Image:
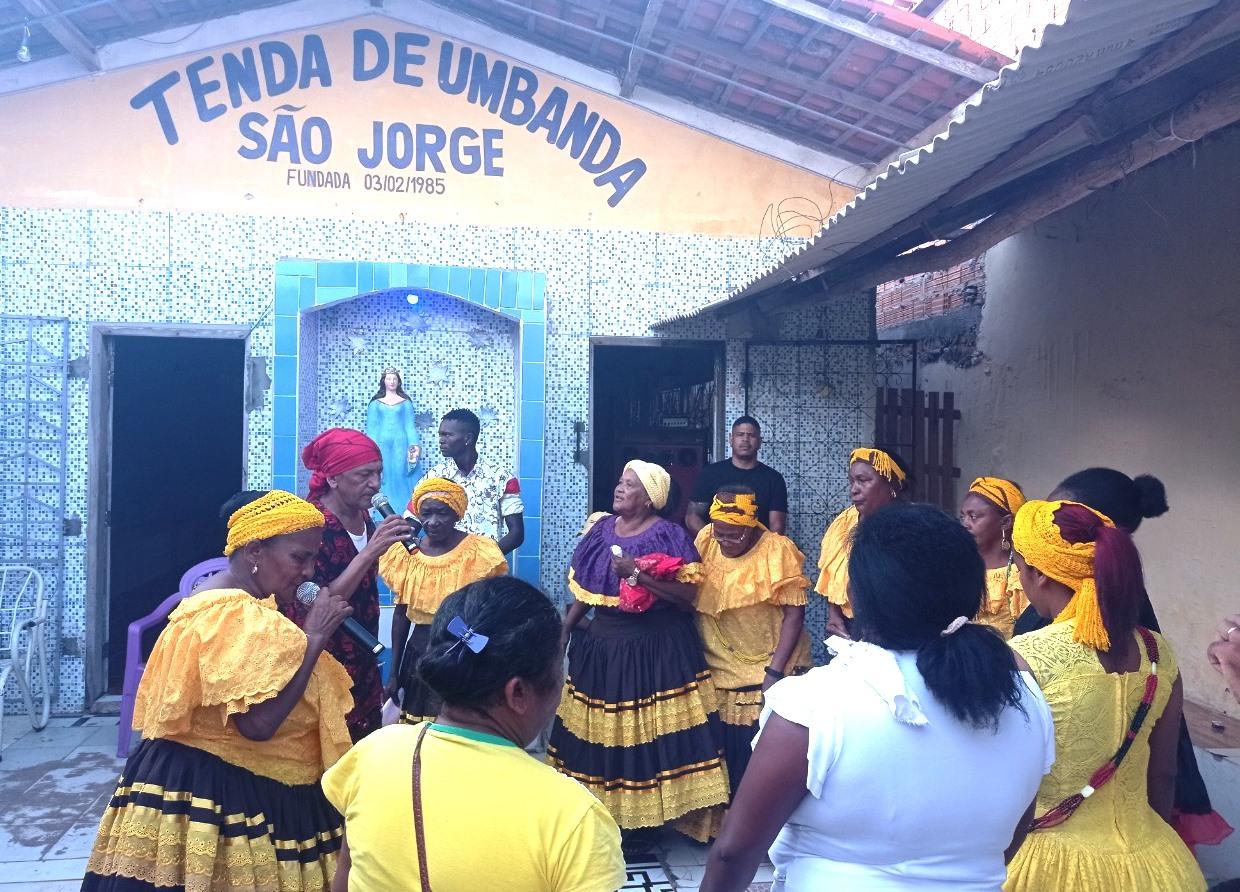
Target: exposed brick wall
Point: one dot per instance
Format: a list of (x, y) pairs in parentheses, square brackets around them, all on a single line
[(932, 294)]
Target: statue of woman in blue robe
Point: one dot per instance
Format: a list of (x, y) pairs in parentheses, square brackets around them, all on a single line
[(389, 422)]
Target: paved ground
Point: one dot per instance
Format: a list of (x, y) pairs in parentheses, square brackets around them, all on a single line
[(54, 784)]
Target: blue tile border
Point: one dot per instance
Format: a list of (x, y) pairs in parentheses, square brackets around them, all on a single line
[(302, 285)]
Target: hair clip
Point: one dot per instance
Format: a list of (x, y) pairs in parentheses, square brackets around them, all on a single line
[(471, 639)]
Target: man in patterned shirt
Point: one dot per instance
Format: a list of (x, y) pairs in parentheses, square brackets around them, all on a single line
[(495, 506)]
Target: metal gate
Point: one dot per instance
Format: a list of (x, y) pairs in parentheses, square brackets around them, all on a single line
[(815, 400), (34, 412)]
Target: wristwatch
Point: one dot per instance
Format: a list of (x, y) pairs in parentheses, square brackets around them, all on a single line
[(632, 580)]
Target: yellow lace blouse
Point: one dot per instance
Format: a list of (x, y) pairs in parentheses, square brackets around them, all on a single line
[(1005, 600), (740, 605), (1115, 840), (421, 582), (833, 560), (224, 651)]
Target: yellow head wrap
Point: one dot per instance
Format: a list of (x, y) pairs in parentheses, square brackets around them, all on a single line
[(740, 510), (883, 463), (1005, 494), (451, 494), (278, 513), (657, 482), (1036, 536)]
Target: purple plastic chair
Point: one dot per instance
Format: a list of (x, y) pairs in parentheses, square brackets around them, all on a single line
[(134, 664)]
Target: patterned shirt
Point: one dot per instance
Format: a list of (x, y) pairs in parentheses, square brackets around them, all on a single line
[(335, 554), (494, 494)]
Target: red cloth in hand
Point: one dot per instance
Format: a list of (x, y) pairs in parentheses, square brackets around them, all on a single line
[(638, 598)]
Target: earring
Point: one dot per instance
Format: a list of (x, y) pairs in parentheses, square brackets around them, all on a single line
[(1004, 543), (894, 494), (254, 572)]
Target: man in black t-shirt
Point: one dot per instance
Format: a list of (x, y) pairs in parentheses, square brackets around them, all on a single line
[(742, 468)]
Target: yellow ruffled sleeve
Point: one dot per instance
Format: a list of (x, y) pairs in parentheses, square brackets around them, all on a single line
[(222, 650), (691, 573), (770, 572), (833, 560), (396, 566)]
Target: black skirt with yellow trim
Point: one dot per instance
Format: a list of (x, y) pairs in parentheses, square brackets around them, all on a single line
[(418, 703), (185, 819), (638, 723)]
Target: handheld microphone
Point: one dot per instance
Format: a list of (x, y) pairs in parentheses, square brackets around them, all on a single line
[(308, 591), (384, 507)]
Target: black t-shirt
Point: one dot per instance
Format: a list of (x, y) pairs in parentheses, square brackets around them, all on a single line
[(766, 482)]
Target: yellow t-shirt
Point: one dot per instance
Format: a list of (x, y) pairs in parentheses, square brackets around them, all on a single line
[(494, 817)]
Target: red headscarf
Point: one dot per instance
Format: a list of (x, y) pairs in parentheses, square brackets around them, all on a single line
[(335, 451)]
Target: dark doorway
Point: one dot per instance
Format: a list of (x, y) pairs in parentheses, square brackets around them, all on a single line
[(658, 403), (174, 454)]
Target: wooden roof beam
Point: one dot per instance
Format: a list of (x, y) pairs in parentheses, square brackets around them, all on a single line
[(880, 37), (650, 18), (63, 31)]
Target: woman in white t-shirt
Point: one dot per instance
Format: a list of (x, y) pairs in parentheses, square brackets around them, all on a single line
[(912, 761)]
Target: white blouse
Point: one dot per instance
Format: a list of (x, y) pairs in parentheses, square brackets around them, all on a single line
[(901, 794)]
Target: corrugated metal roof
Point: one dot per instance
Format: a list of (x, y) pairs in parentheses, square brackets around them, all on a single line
[(1096, 39)]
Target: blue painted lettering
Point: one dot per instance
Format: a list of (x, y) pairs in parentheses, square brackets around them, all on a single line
[(452, 85), (430, 141), (279, 66), (375, 157), (550, 114), (284, 139), (492, 153), (577, 130), (486, 87), (155, 95), (201, 89), (597, 159), (621, 178), (250, 124), (400, 145), (316, 126), (405, 58), (519, 97), (314, 65), (364, 40), (241, 76)]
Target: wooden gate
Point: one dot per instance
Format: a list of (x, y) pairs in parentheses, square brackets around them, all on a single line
[(920, 425)]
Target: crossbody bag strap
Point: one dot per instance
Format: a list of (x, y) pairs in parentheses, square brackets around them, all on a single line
[(419, 832)]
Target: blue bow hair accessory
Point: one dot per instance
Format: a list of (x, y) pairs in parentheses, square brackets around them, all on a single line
[(471, 639)]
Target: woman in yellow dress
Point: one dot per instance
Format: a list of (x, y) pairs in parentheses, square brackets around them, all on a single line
[(987, 512), (1102, 815), (876, 479), (751, 615), (446, 560), (241, 712)]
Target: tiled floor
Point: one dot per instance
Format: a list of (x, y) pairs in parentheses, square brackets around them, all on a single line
[(54, 783)]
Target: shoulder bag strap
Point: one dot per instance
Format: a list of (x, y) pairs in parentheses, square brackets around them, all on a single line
[(419, 832)]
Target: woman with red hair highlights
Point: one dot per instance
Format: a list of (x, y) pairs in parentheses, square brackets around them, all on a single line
[(1102, 820)]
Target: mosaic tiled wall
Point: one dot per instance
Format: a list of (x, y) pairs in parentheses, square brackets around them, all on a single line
[(195, 269)]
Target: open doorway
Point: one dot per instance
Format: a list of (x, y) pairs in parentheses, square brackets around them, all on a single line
[(168, 437), (657, 401)]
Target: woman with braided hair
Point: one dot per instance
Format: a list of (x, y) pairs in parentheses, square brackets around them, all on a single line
[(1103, 814)]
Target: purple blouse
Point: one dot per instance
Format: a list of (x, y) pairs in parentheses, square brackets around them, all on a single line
[(591, 578)]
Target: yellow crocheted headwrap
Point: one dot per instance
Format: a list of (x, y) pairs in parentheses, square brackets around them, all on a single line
[(1005, 494), (657, 482), (1037, 538), (278, 513), (740, 509), (883, 463), (451, 494)]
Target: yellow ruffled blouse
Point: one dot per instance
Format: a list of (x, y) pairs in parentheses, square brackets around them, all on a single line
[(224, 651), (740, 605), (1005, 600), (833, 560), (420, 581)]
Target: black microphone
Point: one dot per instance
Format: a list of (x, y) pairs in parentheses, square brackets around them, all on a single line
[(384, 507), (308, 591)]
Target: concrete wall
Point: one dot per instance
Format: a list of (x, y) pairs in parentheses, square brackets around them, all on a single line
[(1111, 336)]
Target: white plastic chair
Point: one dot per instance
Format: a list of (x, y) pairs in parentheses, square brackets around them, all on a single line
[(23, 618)]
